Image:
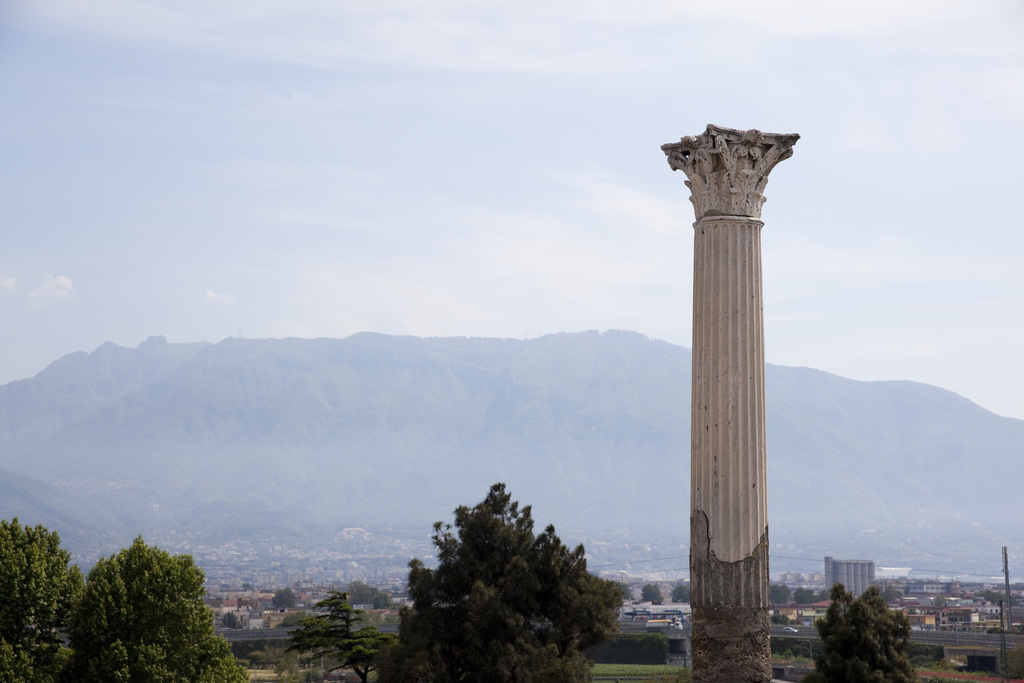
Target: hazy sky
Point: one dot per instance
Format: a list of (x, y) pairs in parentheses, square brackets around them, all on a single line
[(267, 169)]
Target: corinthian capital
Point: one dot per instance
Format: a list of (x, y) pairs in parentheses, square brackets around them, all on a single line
[(728, 169)]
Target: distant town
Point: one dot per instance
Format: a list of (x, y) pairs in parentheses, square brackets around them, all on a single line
[(250, 591)]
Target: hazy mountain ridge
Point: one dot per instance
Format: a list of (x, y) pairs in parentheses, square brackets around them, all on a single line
[(592, 429)]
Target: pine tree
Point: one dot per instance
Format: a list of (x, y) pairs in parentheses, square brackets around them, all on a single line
[(503, 605), (864, 641)]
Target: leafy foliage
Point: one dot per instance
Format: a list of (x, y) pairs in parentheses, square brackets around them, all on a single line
[(38, 585), (632, 648), (681, 593), (334, 635), (651, 593), (661, 673), (283, 597), (805, 596), (864, 641), (141, 618), (502, 605), (780, 594), (293, 619), (1015, 662), (359, 593), (891, 594), (995, 597)]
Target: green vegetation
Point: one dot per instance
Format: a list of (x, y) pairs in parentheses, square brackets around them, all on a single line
[(38, 586), (361, 594), (141, 617), (632, 648), (864, 641), (502, 605), (805, 596), (780, 594), (284, 597), (1015, 662), (681, 593), (995, 597), (638, 672), (336, 636), (293, 619), (651, 593), (891, 594)]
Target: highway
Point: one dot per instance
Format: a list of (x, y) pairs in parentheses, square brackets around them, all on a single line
[(963, 638)]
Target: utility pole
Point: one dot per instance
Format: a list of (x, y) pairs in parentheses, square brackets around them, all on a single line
[(1006, 579), (1003, 663)]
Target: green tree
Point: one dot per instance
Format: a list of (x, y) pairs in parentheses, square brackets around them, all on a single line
[(995, 597), (651, 593), (360, 593), (891, 594), (632, 648), (780, 594), (293, 619), (502, 605), (681, 592), (230, 620), (805, 596), (864, 641), (336, 635), (141, 618), (1015, 662), (38, 586), (283, 597)]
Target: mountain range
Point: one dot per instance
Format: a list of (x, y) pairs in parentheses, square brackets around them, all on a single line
[(303, 437)]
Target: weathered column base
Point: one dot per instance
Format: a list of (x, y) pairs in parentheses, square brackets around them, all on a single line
[(731, 645), (731, 642)]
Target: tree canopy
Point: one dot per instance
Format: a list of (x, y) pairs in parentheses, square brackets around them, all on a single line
[(681, 592), (335, 635), (780, 594), (359, 593), (805, 596), (864, 641), (283, 597), (141, 618), (503, 604), (651, 593), (38, 586)]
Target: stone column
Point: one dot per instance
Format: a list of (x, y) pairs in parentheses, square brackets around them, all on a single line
[(727, 171)]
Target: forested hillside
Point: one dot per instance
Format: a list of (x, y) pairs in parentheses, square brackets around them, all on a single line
[(307, 436)]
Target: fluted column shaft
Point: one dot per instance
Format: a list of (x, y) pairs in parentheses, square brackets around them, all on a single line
[(728, 501)]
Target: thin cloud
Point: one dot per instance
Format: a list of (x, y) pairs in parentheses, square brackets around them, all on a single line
[(531, 36), (225, 299), (54, 287), (7, 283)]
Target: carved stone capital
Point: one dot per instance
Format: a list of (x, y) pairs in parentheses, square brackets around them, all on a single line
[(728, 169)]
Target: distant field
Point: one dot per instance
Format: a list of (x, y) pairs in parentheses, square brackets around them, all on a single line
[(631, 672)]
